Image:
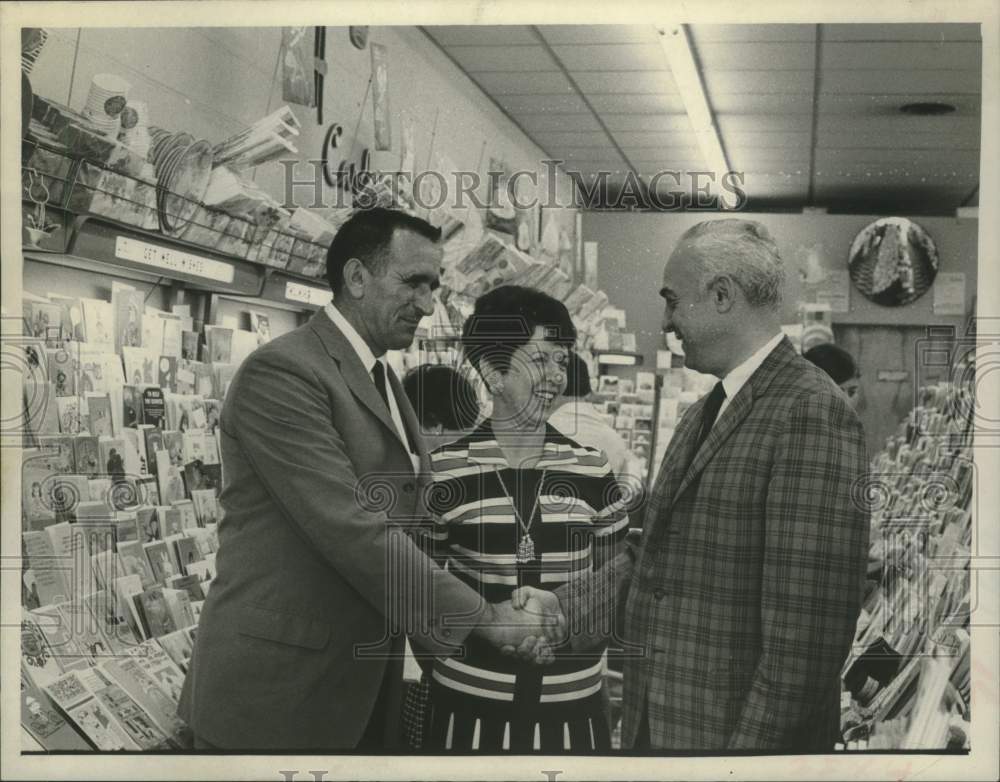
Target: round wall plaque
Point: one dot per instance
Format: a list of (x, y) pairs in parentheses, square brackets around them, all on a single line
[(893, 261)]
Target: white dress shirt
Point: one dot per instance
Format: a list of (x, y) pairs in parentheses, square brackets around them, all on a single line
[(368, 360), (738, 376)]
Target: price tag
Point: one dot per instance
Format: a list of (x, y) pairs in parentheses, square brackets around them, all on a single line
[(307, 294), (172, 260)]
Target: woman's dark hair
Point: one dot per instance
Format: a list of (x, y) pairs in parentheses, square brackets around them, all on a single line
[(577, 377), (366, 236), (441, 396), (834, 360), (506, 318)]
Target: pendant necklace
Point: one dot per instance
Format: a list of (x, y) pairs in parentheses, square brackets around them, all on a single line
[(525, 546)]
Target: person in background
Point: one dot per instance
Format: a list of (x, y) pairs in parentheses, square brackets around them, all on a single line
[(444, 400), (840, 366), (575, 415)]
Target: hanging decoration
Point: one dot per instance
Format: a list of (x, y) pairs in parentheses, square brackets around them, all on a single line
[(500, 213), (380, 97), (359, 36), (298, 83)]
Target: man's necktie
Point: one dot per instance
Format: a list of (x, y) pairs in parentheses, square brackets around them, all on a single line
[(711, 410), (378, 374)]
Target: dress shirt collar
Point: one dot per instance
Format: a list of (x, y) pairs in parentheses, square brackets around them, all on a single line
[(738, 376), (360, 346)]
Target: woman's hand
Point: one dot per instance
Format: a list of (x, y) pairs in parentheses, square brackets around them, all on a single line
[(545, 606)]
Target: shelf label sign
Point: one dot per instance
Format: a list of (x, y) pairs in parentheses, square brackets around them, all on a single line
[(307, 294), (172, 260)]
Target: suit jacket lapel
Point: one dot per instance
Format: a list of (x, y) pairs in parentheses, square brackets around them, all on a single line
[(728, 421), (677, 456), (353, 371), (738, 409), (410, 422)]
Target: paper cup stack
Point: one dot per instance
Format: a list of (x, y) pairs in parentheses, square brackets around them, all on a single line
[(135, 128), (106, 101)]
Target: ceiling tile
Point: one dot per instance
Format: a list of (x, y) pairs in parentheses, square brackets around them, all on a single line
[(667, 185), (595, 152), (647, 122), (765, 140), (536, 122), (921, 55), (901, 123), (899, 174), (541, 103), (636, 82), (729, 33), (849, 139), (756, 159), (757, 56), (590, 168), (598, 33), (657, 154), (502, 58), (753, 102), (641, 139), (901, 32), (900, 81), (761, 82), (481, 35), (670, 169), (612, 57), (544, 83), (882, 104), (965, 158), (637, 104), (583, 138), (749, 123)]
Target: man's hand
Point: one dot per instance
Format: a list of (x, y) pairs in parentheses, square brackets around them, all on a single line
[(545, 605), (527, 626)]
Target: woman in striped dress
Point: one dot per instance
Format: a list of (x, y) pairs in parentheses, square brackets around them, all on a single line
[(516, 503)]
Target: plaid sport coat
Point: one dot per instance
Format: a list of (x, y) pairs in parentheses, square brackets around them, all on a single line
[(745, 593)]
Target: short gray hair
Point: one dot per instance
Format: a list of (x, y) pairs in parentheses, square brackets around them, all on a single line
[(743, 250)]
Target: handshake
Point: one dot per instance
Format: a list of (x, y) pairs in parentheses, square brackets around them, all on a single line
[(527, 626)]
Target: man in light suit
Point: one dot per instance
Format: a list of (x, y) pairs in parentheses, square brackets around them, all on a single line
[(742, 600), (300, 643)]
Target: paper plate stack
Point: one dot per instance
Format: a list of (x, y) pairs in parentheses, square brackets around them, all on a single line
[(135, 128), (106, 101)]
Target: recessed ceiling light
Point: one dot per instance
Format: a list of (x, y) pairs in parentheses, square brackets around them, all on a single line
[(927, 108)]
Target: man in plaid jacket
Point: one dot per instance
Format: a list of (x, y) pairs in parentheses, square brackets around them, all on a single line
[(741, 603)]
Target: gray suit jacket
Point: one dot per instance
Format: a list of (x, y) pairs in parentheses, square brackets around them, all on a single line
[(316, 585)]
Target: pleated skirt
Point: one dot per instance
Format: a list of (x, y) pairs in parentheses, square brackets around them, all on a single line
[(465, 723)]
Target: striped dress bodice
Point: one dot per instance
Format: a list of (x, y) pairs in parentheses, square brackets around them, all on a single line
[(475, 531)]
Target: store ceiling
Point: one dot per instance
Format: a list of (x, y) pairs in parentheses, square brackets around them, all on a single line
[(810, 113)]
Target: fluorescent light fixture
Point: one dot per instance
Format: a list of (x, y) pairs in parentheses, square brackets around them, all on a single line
[(676, 45)]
